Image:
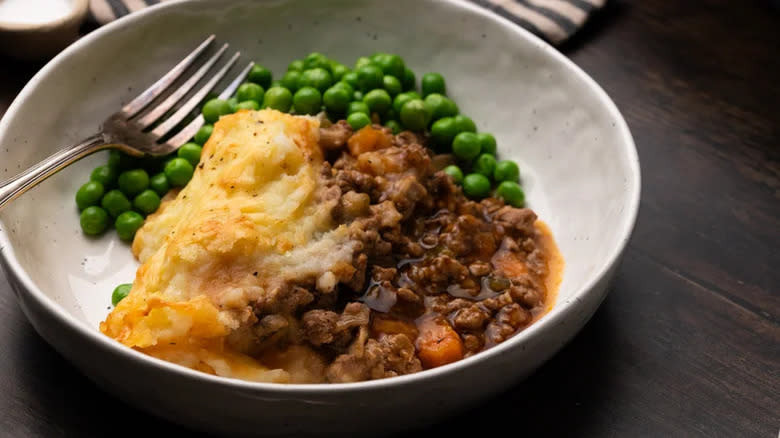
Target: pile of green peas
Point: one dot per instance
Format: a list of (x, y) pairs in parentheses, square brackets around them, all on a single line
[(379, 89), (127, 189)]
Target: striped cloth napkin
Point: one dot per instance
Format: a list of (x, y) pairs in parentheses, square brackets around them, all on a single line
[(553, 20)]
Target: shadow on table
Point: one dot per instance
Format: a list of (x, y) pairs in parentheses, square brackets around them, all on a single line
[(51, 398)]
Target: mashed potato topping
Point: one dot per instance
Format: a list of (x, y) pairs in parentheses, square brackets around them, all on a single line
[(253, 215)]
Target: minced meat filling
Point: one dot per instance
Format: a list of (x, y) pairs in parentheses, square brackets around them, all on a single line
[(435, 276)]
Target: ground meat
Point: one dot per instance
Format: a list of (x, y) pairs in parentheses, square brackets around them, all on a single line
[(388, 356), (423, 252), (398, 355), (379, 273), (408, 295), (322, 327), (285, 300), (480, 269), (319, 326), (472, 317), (519, 220), (335, 136)]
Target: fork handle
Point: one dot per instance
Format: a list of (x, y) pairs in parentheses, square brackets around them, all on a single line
[(12, 188)]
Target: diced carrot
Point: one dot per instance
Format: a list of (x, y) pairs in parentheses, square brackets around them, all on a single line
[(438, 343), (368, 139), (382, 325)]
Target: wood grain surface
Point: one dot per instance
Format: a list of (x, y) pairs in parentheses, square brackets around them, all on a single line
[(688, 341)]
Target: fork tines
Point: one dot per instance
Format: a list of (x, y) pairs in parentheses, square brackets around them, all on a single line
[(178, 96)]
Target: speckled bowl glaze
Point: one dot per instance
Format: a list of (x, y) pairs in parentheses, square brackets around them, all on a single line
[(577, 158)]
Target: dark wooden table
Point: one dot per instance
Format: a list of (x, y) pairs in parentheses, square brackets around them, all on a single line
[(688, 341)]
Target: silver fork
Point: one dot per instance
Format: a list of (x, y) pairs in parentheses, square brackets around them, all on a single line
[(126, 129)]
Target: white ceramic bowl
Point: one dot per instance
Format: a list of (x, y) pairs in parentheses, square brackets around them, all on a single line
[(579, 168)]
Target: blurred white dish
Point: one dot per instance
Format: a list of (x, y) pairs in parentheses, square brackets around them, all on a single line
[(35, 29)]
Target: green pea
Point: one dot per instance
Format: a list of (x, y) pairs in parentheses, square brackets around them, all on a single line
[(260, 76), (159, 183), (485, 164), (378, 101), (89, 194), (250, 91), (133, 182), (115, 203), (369, 77), (358, 107), (120, 292), (476, 185), (291, 80), (316, 60), (357, 95), (512, 193), (433, 83), (487, 143), (233, 104), (296, 65), (191, 152), (358, 120), (465, 124), (336, 99), (250, 105), (408, 81), (441, 106), (278, 98), (391, 65), (506, 170), (93, 220), (346, 87), (147, 202), (465, 146), (114, 159), (307, 100), (415, 115), (339, 70), (376, 56), (455, 172), (127, 224), (105, 175), (400, 100), (394, 126), (214, 109), (179, 172), (203, 134), (351, 78), (318, 78), (392, 85), (361, 62), (443, 131)]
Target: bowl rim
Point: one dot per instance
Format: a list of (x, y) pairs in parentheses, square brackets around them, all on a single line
[(559, 312), (76, 14)]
